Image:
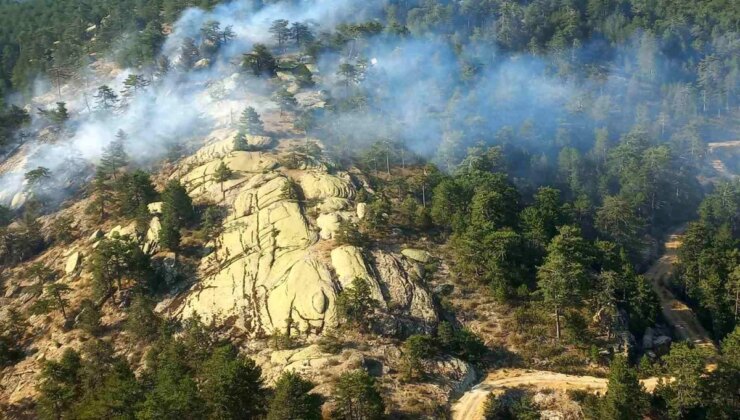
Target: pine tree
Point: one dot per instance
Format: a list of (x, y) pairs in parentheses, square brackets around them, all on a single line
[(292, 399), (177, 202), (106, 98), (169, 233), (133, 84), (250, 122), (114, 156), (625, 397), (189, 55), (285, 100), (232, 385), (279, 29), (223, 173), (103, 195), (260, 61), (357, 397)]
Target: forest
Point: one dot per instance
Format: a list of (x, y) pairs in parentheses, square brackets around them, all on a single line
[(545, 149)]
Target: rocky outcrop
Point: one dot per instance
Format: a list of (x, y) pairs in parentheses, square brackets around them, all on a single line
[(417, 255), (268, 270)]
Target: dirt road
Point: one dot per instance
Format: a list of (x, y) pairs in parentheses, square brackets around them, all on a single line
[(470, 405), (680, 316), (676, 313)]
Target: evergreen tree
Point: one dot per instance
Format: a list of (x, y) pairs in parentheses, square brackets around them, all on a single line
[(223, 173), (114, 155), (260, 61), (561, 278), (292, 399), (357, 397), (142, 322), (250, 122), (625, 397), (355, 304), (177, 203), (106, 98), (133, 84), (285, 100), (280, 30), (59, 385), (232, 385), (88, 318)]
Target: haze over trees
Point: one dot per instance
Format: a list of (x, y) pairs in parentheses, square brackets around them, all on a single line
[(542, 149)]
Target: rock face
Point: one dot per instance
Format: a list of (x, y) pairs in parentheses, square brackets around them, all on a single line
[(270, 269), (73, 263), (417, 255)]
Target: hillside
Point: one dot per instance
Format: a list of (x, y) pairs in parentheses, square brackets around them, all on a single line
[(297, 209)]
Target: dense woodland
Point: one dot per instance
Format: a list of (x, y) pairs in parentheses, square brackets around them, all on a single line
[(553, 211)]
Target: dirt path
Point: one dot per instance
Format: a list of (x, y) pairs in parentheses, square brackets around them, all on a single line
[(680, 316), (470, 406), (676, 313)]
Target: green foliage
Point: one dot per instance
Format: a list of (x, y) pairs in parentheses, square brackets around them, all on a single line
[(59, 385), (118, 259), (177, 203), (114, 156), (232, 385), (134, 191), (61, 230), (250, 122), (54, 298), (415, 349), (461, 343), (88, 318), (141, 322), (292, 399), (625, 397), (563, 276), (356, 396), (686, 393), (512, 405), (355, 305), (349, 234), (260, 61)]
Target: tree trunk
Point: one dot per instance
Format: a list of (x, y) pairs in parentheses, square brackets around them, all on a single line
[(557, 323)]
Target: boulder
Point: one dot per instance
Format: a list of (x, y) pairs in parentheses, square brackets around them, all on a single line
[(96, 236), (203, 63), (443, 289), (417, 255), (662, 345), (261, 142), (349, 264), (19, 199), (321, 185), (648, 338), (329, 225), (361, 210), (151, 239), (73, 263), (155, 208)]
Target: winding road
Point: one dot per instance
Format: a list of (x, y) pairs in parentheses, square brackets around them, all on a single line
[(680, 316)]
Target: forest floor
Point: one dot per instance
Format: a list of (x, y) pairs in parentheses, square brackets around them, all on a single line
[(681, 317)]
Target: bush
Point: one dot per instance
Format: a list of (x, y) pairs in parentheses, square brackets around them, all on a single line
[(89, 318), (417, 348), (330, 343), (462, 343), (512, 404), (349, 234), (292, 399), (355, 305)]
